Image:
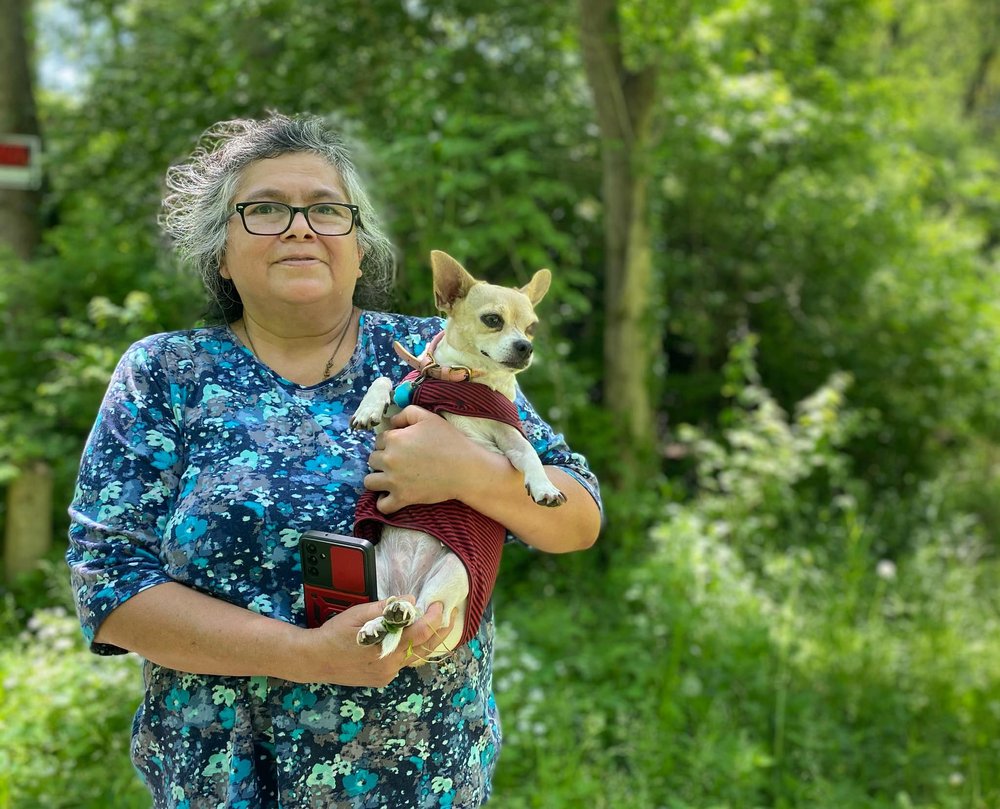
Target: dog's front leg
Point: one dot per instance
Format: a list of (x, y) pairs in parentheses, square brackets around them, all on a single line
[(374, 405), (524, 458)]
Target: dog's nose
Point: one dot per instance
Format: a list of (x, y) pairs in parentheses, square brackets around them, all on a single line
[(522, 348)]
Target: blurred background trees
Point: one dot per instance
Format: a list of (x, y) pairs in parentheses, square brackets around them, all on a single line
[(774, 231)]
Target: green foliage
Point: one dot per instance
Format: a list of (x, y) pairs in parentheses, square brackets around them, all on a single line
[(482, 186), (807, 196), (768, 474), (764, 653), (65, 714), (63, 341)]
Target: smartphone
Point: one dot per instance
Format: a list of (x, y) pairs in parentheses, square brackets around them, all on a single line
[(338, 571)]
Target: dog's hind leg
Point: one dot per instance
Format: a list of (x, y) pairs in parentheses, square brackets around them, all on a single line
[(387, 628), (449, 584)]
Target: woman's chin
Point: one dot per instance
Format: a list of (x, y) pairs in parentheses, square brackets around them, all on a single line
[(308, 290)]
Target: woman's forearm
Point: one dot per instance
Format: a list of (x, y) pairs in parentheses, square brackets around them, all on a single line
[(183, 629), (424, 459), (497, 491), (180, 628)]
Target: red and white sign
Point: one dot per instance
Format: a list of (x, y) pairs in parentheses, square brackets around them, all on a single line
[(20, 161)]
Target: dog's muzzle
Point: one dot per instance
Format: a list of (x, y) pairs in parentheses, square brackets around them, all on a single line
[(519, 355)]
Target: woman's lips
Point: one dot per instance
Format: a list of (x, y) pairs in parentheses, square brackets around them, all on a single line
[(298, 260)]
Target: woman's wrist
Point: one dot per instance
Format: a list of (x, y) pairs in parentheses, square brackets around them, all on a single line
[(293, 654), (497, 490)]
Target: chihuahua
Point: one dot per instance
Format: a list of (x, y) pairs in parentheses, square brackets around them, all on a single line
[(487, 340)]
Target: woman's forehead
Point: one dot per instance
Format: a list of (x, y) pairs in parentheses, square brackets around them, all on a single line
[(299, 175)]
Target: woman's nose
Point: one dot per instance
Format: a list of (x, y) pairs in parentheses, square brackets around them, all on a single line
[(300, 226)]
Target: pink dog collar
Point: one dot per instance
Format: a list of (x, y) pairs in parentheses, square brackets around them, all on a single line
[(427, 366)]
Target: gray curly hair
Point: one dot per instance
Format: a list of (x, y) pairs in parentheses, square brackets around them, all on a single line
[(201, 193)]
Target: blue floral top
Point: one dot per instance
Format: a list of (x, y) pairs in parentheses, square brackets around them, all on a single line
[(205, 467)]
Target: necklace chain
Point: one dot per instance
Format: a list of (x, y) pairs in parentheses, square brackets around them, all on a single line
[(333, 356), (343, 334)]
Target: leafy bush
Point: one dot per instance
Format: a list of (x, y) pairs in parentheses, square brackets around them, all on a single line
[(65, 714), (766, 652)]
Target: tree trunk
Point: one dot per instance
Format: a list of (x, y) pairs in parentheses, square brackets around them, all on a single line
[(28, 534), (623, 100), (974, 90), (987, 23)]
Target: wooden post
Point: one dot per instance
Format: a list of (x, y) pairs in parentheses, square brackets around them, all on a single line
[(28, 535)]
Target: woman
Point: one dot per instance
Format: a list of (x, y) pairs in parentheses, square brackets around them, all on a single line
[(216, 448)]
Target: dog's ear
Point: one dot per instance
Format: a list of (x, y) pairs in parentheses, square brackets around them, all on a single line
[(536, 288), (451, 281)]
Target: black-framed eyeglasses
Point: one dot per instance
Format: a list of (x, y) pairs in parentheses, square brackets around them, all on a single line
[(264, 218)]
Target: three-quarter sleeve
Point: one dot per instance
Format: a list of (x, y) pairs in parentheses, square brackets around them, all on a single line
[(126, 487)]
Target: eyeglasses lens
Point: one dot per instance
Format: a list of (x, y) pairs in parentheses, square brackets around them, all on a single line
[(271, 218)]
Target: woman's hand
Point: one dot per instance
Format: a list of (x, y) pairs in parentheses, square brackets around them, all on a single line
[(331, 652), (420, 459)]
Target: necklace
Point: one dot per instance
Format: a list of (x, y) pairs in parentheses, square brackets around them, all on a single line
[(343, 334), (333, 356)]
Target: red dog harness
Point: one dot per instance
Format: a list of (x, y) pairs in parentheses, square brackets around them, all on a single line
[(477, 540)]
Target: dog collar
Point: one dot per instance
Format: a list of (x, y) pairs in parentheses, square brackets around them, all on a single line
[(429, 367)]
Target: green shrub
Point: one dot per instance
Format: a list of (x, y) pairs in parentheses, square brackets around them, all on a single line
[(767, 651), (66, 715), (707, 685)]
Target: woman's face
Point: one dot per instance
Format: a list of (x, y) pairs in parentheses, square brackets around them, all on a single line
[(283, 275)]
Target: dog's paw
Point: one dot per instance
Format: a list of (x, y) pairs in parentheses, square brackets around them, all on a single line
[(373, 405), (399, 614), (545, 494), (365, 418), (378, 632), (387, 628), (373, 632)]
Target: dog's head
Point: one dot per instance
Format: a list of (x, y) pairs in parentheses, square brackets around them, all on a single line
[(491, 326)]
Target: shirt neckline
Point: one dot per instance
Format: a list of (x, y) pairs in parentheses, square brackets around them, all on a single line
[(349, 369)]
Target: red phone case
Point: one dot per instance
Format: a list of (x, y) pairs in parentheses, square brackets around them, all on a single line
[(338, 571)]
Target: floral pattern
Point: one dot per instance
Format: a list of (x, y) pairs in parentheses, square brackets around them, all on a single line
[(205, 467)]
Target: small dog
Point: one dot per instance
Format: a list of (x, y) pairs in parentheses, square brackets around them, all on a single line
[(487, 340)]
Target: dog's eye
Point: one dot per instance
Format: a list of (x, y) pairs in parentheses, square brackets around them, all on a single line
[(492, 321), (530, 331)]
